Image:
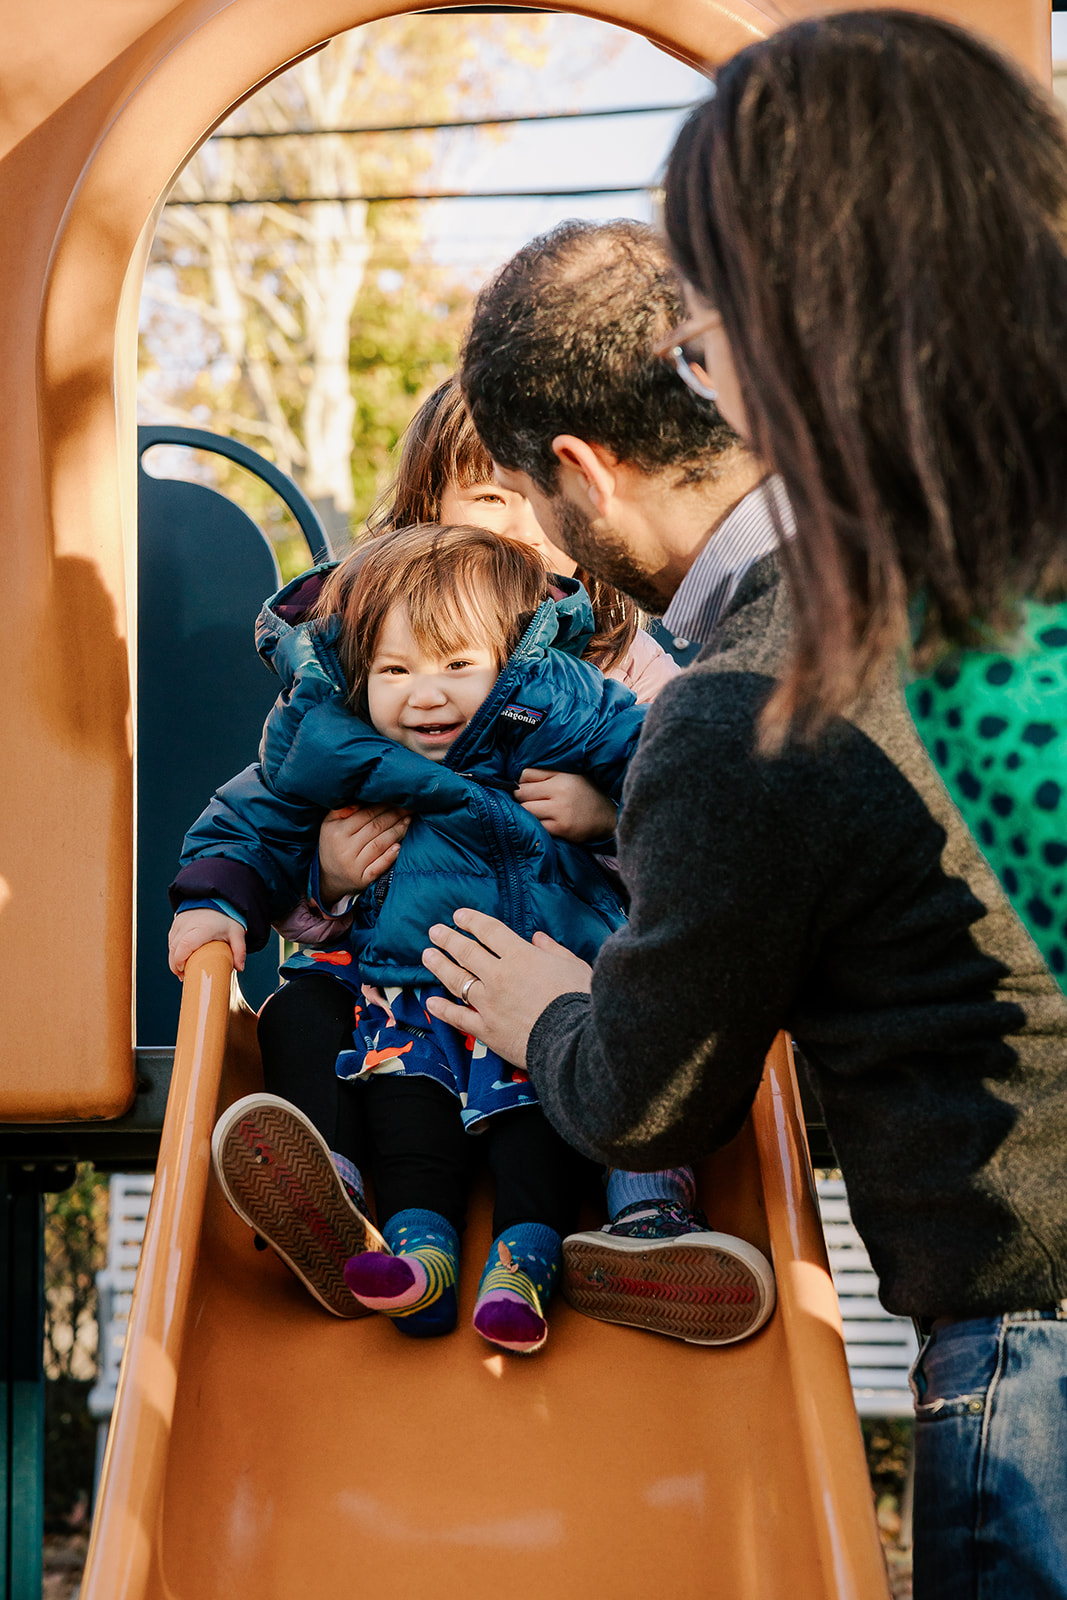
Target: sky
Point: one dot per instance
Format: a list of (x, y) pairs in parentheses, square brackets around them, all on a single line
[(590, 65), (618, 69)]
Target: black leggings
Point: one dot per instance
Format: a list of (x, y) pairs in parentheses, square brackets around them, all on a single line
[(407, 1131), (303, 1028)]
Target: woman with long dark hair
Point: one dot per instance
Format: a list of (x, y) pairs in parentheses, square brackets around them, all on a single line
[(870, 218), (870, 215)]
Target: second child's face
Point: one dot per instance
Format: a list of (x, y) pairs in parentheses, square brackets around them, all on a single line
[(504, 512), (422, 702)]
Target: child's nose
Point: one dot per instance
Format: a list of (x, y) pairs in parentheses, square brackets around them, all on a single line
[(427, 691)]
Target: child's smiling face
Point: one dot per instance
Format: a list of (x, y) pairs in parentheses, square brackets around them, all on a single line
[(422, 701)]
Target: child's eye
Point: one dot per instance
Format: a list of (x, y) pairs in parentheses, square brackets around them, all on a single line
[(493, 499), (454, 666)]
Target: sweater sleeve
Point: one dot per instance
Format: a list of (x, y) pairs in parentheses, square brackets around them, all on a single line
[(660, 1064)]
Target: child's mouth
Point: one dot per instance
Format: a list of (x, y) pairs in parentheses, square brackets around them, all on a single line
[(437, 732)]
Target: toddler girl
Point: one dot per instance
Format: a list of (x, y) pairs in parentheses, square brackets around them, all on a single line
[(450, 646)]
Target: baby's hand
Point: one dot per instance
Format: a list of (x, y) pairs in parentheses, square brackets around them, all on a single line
[(567, 805), (191, 929), (356, 845)]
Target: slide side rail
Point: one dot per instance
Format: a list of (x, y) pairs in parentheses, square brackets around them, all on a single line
[(134, 1468)]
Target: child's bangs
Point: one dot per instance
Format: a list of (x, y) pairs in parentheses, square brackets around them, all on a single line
[(462, 588), (449, 611)]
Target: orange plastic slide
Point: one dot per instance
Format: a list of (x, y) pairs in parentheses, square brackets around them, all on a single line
[(260, 1448)]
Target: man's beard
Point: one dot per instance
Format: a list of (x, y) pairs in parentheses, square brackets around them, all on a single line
[(604, 554)]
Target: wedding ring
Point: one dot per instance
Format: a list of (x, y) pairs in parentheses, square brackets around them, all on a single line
[(465, 991)]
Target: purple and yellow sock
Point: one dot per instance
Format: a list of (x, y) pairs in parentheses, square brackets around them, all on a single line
[(524, 1263), (416, 1285)]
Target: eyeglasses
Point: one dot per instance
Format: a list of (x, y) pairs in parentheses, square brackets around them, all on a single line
[(688, 358)]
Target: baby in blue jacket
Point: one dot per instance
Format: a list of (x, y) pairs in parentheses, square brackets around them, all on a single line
[(440, 665)]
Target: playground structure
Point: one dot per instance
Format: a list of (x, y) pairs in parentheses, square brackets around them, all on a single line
[(641, 1461)]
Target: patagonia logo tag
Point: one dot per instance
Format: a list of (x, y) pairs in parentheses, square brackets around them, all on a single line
[(522, 716)]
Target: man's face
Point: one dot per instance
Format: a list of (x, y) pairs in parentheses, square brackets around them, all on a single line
[(592, 541)]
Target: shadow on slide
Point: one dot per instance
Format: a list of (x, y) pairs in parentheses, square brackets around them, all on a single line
[(261, 1448)]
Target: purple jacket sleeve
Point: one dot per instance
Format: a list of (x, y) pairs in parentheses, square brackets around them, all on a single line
[(213, 877)]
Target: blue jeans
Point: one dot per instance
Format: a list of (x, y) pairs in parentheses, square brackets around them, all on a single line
[(991, 1459)]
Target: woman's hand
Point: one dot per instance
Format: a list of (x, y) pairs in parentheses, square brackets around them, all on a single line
[(567, 805), (356, 845), (514, 980), (191, 929)]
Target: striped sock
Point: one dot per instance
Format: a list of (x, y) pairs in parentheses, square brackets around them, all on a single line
[(519, 1277), (627, 1188), (416, 1285)]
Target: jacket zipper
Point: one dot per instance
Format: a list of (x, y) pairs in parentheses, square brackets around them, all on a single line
[(501, 831), (517, 911), (327, 653)]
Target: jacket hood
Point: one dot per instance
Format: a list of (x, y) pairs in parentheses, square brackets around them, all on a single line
[(291, 645), (287, 612)]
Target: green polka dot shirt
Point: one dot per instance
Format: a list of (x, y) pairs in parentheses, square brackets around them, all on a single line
[(995, 725)]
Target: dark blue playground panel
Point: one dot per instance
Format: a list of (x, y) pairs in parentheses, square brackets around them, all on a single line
[(202, 692)]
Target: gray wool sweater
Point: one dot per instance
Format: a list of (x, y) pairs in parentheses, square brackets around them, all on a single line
[(834, 892)]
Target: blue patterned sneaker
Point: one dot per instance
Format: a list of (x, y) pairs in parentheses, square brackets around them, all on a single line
[(656, 1219), (659, 1266)]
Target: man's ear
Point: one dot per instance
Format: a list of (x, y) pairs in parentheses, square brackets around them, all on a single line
[(587, 471)]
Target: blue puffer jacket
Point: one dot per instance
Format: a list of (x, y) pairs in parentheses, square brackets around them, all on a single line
[(469, 842)]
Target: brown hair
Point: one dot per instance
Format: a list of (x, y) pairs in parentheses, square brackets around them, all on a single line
[(457, 583), (875, 203), (441, 447), (561, 340)]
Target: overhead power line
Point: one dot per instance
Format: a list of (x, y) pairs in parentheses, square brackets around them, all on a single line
[(464, 122), (437, 194)]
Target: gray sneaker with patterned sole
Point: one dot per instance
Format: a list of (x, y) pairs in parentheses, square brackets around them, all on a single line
[(276, 1171), (706, 1288)]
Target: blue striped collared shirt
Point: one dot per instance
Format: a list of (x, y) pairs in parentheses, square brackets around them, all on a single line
[(746, 534)]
